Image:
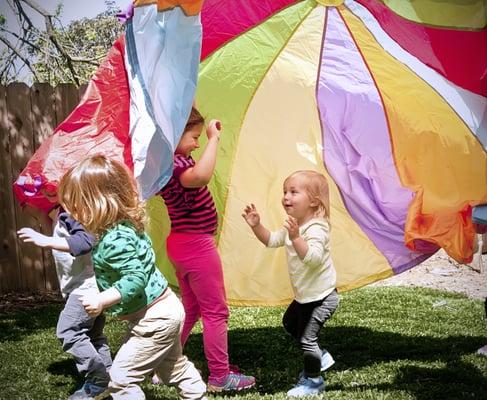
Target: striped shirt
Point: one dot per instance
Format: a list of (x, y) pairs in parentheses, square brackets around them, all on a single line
[(190, 209)]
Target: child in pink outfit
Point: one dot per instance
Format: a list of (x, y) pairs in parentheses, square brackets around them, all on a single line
[(192, 250)]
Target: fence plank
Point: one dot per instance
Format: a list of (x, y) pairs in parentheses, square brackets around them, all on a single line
[(82, 90), (66, 98), (22, 146), (9, 252), (44, 123), (27, 117)]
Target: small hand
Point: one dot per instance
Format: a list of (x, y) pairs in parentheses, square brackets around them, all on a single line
[(214, 129), (29, 235), (92, 304), (291, 224), (251, 215)]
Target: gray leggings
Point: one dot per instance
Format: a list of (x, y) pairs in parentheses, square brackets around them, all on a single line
[(83, 338), (303, 322)]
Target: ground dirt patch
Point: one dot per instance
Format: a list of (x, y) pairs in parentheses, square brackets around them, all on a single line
[(442, 272)]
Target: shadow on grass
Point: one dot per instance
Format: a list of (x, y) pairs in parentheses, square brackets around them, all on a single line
[(273, 358), (15, 326), (464, 382), (457, 380), (425, 366), (65, 368)]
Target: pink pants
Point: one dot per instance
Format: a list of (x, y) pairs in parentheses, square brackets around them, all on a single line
[(200, 276)]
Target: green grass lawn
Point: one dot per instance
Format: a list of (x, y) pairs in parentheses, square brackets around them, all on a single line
[(388, 343)]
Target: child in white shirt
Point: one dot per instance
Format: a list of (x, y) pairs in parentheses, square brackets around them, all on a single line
[(305, 236)]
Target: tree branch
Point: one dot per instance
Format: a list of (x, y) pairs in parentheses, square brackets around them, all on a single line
[(50, 33), (69, 61), (52, 51), (19, 55), (25, 17), (25, 41), (4, 77), (32, 4)]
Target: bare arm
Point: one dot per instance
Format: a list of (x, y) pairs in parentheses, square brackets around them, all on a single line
[(252, 218), (262, 233), (200, 175), (29, 235), (95, 304)]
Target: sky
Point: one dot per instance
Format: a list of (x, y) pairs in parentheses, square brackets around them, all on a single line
[(77, 9), (72, 10)]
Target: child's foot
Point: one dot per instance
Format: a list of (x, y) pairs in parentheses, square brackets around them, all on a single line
[(155, 379), (482, 351), (90, 391), (326, 360), (232, 382), (307, 387)]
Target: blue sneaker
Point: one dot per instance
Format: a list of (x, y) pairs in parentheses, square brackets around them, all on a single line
[(326, 360), (90, 391), (307, 387)]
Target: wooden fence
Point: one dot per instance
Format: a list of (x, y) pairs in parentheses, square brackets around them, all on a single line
[(27, 116)]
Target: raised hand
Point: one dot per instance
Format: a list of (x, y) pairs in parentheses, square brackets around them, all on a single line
[(251, 215), (214, 129), (29, 235), (291, 224)]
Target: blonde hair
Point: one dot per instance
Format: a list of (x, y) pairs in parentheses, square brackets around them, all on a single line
[(316, 187), (100, 192)]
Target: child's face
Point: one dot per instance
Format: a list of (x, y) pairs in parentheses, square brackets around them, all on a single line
[(296, 201), (189, 141)]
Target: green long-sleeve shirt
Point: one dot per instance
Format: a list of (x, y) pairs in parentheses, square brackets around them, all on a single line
[(125, 260)]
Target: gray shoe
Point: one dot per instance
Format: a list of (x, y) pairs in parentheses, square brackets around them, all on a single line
[(307, 387), (90, 391)]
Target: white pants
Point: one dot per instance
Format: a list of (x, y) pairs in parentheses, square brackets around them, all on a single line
[(153, 343)]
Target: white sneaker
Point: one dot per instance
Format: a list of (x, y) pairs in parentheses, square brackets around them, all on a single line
[(482, 351), (156, 380), (326, 360), (307, 387)]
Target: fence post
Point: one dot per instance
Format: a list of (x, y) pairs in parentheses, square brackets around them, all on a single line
[(9, 252), (66, 98), (44, 123), (22, 148)]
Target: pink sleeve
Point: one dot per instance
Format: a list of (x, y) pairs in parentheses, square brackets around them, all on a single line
[(181, 164)]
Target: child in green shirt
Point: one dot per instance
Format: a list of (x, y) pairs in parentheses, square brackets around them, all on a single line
[(101, 194)]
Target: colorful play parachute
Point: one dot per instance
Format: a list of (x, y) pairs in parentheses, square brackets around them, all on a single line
[(135, 107), (387, 100)]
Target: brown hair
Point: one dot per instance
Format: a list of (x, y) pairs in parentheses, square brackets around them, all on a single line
[(100, 192), (316, 187), (195, 118)]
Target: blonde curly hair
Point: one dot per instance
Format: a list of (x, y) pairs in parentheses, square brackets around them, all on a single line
[(100, 192)]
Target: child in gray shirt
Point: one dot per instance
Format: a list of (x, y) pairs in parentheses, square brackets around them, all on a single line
[(81, 335)]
